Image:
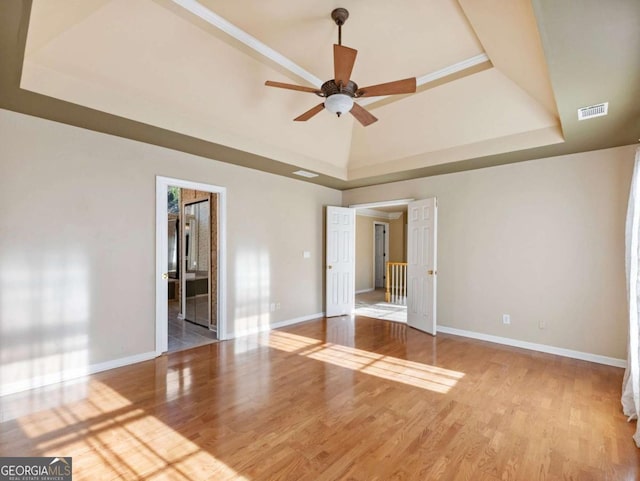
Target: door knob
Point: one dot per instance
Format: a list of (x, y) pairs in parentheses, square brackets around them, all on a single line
[(431, 272), (165, 276), (329, 267)]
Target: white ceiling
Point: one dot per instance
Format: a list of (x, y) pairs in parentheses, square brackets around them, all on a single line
[(154, 62)]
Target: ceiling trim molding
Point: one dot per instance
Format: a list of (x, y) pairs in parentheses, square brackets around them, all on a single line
[(451, 69), (250, 41)]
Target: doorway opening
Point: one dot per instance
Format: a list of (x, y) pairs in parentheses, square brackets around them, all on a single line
[(190, 256), (418, 281), (380, 249)]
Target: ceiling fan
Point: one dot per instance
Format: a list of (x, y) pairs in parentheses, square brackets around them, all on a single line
[(339, 92)]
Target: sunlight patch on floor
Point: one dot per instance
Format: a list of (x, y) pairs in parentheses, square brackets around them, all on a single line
[(386, 367), (284, 341), (371, 304), (384, 311), (146, 447)]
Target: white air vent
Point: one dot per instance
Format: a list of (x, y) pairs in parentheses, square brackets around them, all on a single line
[(593, 111), (304, 173)]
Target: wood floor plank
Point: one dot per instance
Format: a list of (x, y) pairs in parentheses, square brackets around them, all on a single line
[(337, 398)]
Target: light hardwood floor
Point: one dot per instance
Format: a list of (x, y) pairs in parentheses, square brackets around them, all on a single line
[(335, 399)]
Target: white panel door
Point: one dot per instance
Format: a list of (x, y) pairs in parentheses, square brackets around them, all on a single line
[(341, 265), (421, 268)]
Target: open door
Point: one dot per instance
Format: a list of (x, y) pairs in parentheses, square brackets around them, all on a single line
[(380, 253), (196, 296), (421, 268), (341, 265)]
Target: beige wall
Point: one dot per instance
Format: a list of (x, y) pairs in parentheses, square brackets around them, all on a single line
[(397, 243), (541, 240), (77, 245)]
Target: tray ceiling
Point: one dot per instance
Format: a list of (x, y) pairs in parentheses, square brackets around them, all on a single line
[(158, 65)]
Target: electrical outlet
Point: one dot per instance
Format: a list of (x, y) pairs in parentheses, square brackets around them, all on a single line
[(506, 319), (277, 306), (542, 324)]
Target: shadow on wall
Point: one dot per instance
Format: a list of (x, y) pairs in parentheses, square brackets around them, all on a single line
[(44, 316)]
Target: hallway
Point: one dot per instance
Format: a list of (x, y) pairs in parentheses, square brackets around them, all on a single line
[(184, 334), (372, 304)]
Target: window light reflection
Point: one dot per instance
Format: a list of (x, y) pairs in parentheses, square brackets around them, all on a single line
[(44, 319), (178, 382), (413, 373), (253, 291)]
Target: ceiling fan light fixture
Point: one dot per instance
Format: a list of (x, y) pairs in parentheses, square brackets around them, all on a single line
[(338, 104)]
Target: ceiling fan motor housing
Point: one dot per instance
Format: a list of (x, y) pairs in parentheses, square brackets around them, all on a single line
[(330, 87)]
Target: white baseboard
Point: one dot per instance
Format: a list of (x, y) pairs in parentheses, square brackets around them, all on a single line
[(275, 325), (362, 291), (123, 361), (69, 374), (532, 346)]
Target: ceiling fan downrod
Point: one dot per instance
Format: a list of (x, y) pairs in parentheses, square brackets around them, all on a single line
[(340, 15)]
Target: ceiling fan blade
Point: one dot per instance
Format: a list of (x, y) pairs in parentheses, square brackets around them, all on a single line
[(343, 60), (405, 86), (362, 115), (301, 88), (309, 113)]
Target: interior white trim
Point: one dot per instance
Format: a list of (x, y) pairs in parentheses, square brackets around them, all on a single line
[(275, 325), (378, 213), (162, 184), (70, 374), (362, 291), (451, 69), (230, 29), (382, 203), (532, 346)]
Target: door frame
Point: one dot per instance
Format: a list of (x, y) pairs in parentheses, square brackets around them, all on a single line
[(161, 246), (382, 203), (386, 249)]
